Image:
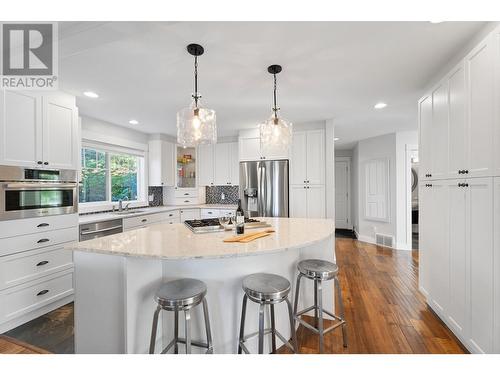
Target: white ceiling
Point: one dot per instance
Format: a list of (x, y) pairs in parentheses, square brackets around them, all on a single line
[(331, 70)]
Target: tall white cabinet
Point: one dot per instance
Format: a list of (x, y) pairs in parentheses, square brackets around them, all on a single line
[(39, 130), (460, 197)]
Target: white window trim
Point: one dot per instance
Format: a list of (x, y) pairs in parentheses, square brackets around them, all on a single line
[(142, 186)]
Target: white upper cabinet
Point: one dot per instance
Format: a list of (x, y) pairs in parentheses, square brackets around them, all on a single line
[(249, 148), (496, 47), (457, 143), (234, 164), (439, 132), (298, 173), (61, 143), (20, 128), (425, 127), (161, 163), (39, 130), (223, 164), (496, 265), (206, 167), (308, 157), (481, 108)]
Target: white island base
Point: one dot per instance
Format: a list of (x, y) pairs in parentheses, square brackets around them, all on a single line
[(115, 285)]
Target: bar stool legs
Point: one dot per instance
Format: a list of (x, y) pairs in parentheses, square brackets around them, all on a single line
[(338, 292), (154, 329)]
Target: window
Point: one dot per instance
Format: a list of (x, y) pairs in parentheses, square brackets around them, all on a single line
[(109, 176)]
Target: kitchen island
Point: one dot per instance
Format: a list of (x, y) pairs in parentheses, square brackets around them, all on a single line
[(116, 278)]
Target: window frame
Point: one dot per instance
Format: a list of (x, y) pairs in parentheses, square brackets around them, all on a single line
[(142, 174)]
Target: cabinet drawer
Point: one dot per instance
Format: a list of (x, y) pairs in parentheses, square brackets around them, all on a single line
[(19, 244), (29, 265), (186, 193), (20, 227), (172, 215), (185, 201), (207, 213), (28, 297), (227, 212), (143, 220)]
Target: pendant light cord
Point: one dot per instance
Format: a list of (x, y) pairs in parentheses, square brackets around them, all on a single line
[(275, 108), (195, 95)]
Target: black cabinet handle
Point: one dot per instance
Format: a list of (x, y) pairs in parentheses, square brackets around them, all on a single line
[(46, 163), (170, 215), (467, 171), (144, 220), (42, 240), (460, 171), (186, 201), (39, 162), (466, 185), (42, 292), (41, 225), (42, 263), (186, 193)]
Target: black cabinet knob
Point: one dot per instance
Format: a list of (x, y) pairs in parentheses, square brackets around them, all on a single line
[(39, 162), (46, 163)]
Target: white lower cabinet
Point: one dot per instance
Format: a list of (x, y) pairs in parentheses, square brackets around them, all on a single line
[(190, 214), (307, 201)]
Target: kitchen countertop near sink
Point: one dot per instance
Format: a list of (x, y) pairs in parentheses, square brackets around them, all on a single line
[(103, 216)]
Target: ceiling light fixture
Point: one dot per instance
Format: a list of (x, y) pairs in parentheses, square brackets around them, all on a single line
[(380, 105), (275, 132), (91, 94), (196, 125), (133, 122), (336, 138)]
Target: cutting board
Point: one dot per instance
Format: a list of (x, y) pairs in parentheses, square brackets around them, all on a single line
[(250, 236)]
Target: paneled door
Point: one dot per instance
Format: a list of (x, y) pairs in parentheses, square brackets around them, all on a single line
[(315, 157), (481, 261), (439, 132), (298, 201), (316, 201), (222, 164), (457, 148), (342, 197), (425, 233), (206, 165), (496, 257), (425, 124), (298, 163)]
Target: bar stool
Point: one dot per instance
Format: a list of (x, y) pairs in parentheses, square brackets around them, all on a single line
[(176, 296), (319, 271), (266, 289)]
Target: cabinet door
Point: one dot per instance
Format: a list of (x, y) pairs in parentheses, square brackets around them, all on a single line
[(457, 312), (425, 229), (275, 154), (223, 164), (206, 165), (439, 132), (168, 163), (249, 148), (315, 157), (496, 266), (481, 261), (298, 164), (440, 260), (190, 214), (496, 47), (60, 132), (481, 107), (425, 124), (234, 162), (298, 201), (457, 152), (316, 201), (20, 128)]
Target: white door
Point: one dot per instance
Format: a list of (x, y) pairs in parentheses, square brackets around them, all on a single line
[(481, 261), (457, 239), (298, 201), (425, 149), (168, 163), (342, 198), (440, 259), (315, 157), (60, 132), (222, 164), (439, 133), (481, 107), (234, 162), (315, 201), (205, 165), (496, 256), (457, 150), (298, 163), (425, 228), (20, 128), (249, 148)]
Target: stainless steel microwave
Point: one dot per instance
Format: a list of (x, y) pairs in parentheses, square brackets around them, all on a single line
[(26, 193)]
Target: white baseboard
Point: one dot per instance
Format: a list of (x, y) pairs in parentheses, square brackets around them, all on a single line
[(371, 240)]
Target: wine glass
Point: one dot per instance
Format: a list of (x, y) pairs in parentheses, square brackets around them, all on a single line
[(224, 221)]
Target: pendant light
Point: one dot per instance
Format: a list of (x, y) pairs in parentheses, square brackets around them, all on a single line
[(196, 125), (275, 132)]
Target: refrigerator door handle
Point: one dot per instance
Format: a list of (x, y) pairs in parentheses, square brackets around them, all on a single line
[(261, 197)]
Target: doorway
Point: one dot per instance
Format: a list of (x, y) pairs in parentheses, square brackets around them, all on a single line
[(342, 193), (412, 164)]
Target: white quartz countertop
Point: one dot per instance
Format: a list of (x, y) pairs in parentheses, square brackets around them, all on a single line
[(176, 241), (95, 218)]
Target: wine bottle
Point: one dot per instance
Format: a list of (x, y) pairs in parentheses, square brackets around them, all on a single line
[(240, 219)]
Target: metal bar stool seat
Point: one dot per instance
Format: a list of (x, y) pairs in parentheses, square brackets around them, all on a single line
[(320, 270), (181, 295), (266, 290)]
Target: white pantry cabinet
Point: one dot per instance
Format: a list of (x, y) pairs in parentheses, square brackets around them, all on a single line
[(161, 163), (206, 168), (308, 157), (250, 150), (425, 144), (218, 164), (307, 201), (39, 130)]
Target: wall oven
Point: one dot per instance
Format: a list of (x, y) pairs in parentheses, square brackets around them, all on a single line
[(26, 193)]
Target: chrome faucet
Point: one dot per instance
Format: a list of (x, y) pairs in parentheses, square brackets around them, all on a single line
[(120, 205)]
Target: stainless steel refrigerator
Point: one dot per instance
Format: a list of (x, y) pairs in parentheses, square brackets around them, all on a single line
[(264, 188)]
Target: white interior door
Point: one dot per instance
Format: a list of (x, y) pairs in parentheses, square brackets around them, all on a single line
[(342, 196)]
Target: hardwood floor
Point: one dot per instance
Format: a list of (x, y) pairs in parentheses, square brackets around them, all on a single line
[(9, 345), (385, 312)]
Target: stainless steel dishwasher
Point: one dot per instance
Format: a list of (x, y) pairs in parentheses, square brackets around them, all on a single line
[(100, 229)]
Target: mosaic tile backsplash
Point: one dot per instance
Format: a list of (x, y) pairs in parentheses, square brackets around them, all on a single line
[(157, 193), (222, 194)]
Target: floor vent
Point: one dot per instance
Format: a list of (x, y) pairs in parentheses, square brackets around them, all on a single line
[(384, 240)]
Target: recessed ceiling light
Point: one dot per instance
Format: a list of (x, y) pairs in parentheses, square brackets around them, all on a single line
[(91, 94), (435, 21), (133, 122), (380, 105), (336, 138)]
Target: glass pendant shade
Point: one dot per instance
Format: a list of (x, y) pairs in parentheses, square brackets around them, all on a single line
[(275, 135), (196, 125)]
